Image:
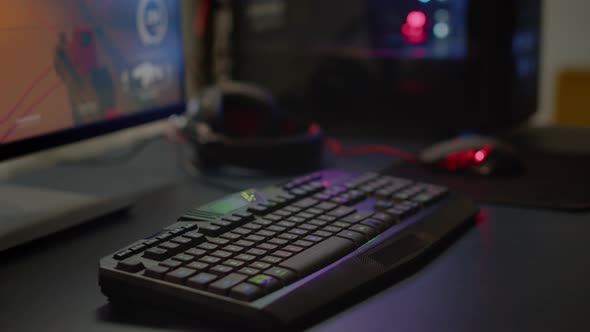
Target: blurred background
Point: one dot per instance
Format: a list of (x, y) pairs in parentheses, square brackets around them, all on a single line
[(563, 59)]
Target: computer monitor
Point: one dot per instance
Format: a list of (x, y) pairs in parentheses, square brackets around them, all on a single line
[(404, 67), (74, 69)]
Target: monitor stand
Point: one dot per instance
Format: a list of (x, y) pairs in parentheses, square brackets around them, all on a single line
[(51, 199)]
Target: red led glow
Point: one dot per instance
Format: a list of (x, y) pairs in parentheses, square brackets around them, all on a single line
[(325, 183), (416, 19), (412, 34), (479, 156)]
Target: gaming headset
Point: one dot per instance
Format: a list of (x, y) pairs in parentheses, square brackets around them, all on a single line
[(240, 124)]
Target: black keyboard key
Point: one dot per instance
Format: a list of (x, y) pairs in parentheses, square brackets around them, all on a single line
[(164, 236), (267, 283), (305, 203), (179, 275), (223, 224), (131, 265), (267, 246), (303, 243), (221, 270), (252, 226), (341, 211), (210, 260), (221, 254), (384, 217), (282, 254), (258, 209), (233, 263), (288, 236), (271, 259), (308, 227), (293, 249), (256, 252), (249, 271), (246, 292), (284, 275), (156, 271), (356, 237), (263, 222), (322, 234), (201, 280), (326, 206), (171, 263), (332, 229), (314, 211), (177, 231), (189, 226), (157, 254), (305, 215), (275, 228), (292, 209), (341, 224), (260, 265), (298, 231), (210, 230), (383, 205), (233, 219), (183, 258), (233, 248), (195, 252), (357, 217), (273, 217), (150, 243), (207, 246), (182, 241), (318, 222), (326, 218), (286, 224), (297, 220), (368, 231), (245, 216), (195, 236), (231, 236), (313, 238), (244, 243), (219, 241), (245, 257), (254, 238), (242, 231), (318, 256), (122, 254), (198, 266), (396, 213), (266, 233), (138, 248), (278, 241), (283, 213), (379, 225)]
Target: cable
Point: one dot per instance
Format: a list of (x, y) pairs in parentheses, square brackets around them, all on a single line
[(337, 149)]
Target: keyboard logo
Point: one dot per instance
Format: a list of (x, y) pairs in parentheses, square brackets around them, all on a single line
[(249, 195)]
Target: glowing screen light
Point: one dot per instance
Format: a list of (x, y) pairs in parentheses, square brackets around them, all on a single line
[(416, 19), (441, 30)]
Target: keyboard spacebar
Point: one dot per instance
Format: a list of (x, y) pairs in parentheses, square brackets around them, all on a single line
[(319, 255)]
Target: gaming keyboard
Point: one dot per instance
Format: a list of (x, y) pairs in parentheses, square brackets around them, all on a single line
[(281, 254)]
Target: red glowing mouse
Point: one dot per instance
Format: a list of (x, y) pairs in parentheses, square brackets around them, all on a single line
[(473, 154)]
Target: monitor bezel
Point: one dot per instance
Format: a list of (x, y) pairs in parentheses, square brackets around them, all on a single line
[(72, 135)]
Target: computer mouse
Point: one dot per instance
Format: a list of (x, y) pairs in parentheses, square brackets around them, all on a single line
[(474, 154)]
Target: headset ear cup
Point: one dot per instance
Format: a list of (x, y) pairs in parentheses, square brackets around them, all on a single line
[(296, 148)]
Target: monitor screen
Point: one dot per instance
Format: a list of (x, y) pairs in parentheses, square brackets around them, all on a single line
[(72, 65)]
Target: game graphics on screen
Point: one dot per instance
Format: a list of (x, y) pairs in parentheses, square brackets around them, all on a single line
[(68, 63)]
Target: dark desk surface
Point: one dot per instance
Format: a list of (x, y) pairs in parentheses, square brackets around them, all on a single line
[(516, 270)]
